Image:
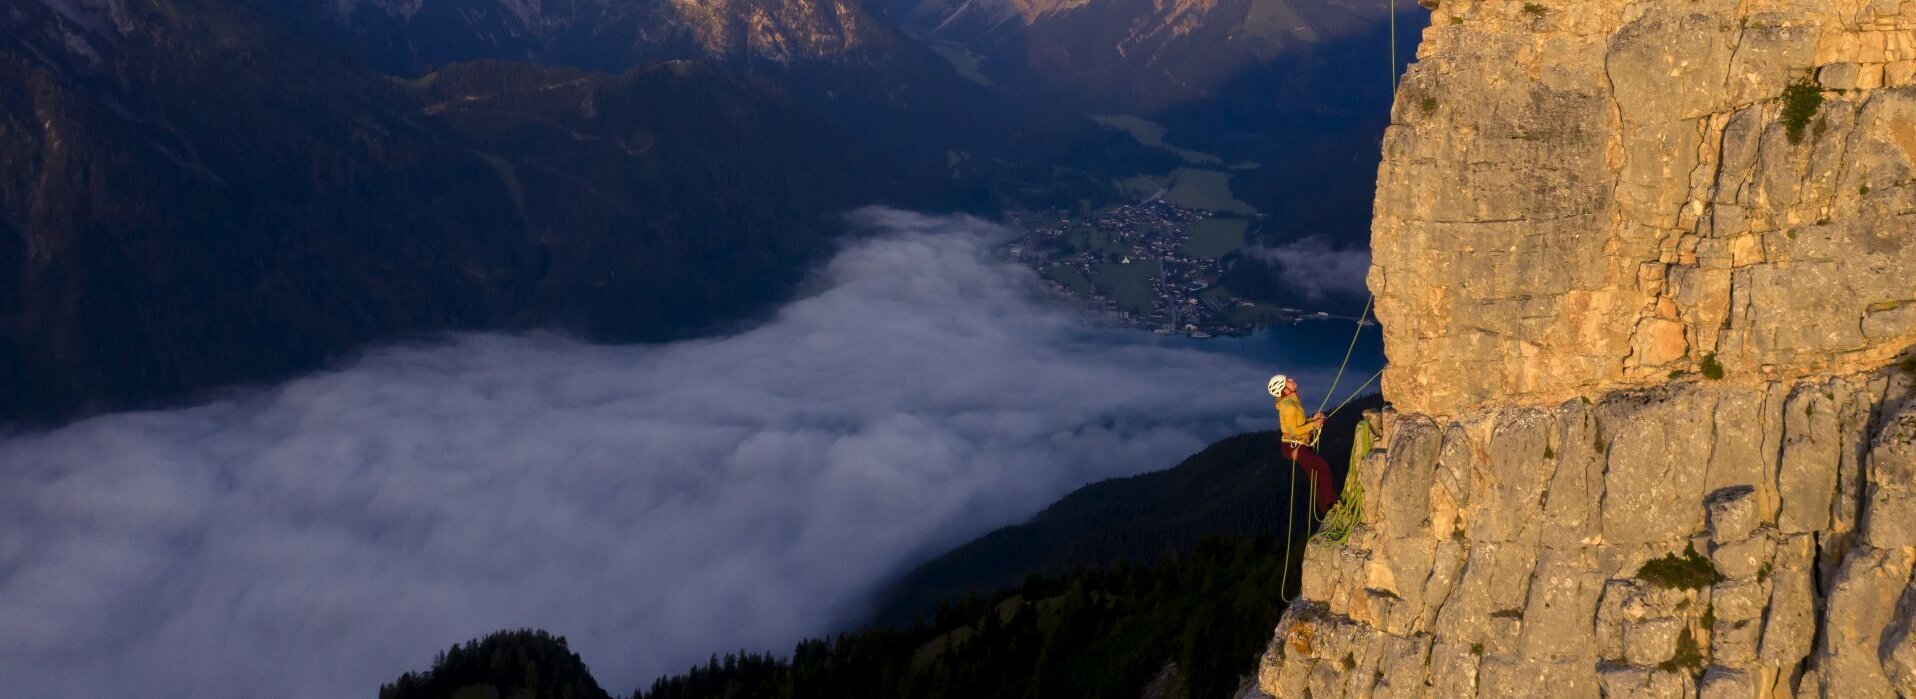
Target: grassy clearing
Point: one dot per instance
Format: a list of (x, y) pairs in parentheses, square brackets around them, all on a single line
[(970, 66), (1131, 286), (1215, 237), (1209, 190), (1069, 276), (1088, 239), (1151, 133)]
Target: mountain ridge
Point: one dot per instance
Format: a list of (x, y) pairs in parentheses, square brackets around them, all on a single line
[(1142, 55), (202, 200)]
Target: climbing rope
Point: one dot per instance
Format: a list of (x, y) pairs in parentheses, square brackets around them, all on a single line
[(1336, 525), (1361, 317), (1290, 526), (1353, 395)]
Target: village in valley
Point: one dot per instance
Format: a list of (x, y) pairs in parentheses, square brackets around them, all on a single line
[(1157, 257), (1151, 265)]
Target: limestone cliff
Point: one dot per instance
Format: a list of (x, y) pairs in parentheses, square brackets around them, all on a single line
[(1578, 196), (1647, 272)]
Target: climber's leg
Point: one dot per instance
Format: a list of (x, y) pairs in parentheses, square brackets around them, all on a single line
[(1319, 472)]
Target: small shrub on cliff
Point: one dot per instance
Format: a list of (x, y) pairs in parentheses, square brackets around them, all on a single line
[(1690, 572), (1535, 10), (1711, 368), (1801, 100)]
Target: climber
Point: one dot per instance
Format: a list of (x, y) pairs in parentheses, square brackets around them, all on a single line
[(1300, 437)]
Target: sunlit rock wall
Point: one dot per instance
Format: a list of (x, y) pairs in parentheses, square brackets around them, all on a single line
[(1633, 319), (1580, 196), (1500, 553)]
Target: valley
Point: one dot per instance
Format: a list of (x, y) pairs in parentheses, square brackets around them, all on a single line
[(676, 327), (1154, 255), (1153, 266)]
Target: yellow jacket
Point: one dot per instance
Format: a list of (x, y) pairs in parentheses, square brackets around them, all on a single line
[(1291, 421)]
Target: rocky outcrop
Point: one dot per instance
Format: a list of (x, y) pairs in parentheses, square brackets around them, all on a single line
[(1582, 196), (1647, 272), (1697, 538)]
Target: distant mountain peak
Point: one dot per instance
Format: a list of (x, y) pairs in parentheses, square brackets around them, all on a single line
[(611, 34), (1142, 54), (780, 30)]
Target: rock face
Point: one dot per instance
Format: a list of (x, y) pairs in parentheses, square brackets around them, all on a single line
[(1649, 306), (1582, 196), (1727, 539)]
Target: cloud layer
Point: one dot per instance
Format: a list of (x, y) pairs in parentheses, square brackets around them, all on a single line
[(1315, 269), (654, 504)]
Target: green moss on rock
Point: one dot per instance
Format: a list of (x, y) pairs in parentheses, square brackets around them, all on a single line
[(1691, 571), (1801, 101), (1711, 368)]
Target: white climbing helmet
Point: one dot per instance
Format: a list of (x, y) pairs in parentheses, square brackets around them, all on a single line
[(1276, 386)]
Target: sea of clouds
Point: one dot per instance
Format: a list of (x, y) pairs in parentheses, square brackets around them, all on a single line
[(654, 504)]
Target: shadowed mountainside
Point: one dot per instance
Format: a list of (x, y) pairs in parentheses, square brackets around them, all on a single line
[(1166, 579), (196, 199), (1237, 487)]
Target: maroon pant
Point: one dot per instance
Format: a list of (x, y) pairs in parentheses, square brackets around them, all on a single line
[(1317, 471)]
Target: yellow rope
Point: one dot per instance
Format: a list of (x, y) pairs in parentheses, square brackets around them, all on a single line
[(1361, 317), (1336, 527), (1353, 395)]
